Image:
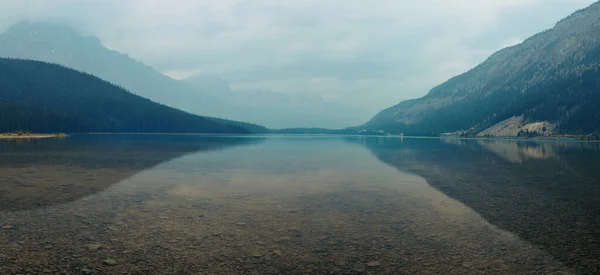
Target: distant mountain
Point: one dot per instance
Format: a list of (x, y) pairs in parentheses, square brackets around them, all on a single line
[(313, 131), (549, 84), (43, 97), (277, 110), (62, 45), (210, 84)]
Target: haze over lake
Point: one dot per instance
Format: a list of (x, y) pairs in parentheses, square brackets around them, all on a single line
[(180, 204)]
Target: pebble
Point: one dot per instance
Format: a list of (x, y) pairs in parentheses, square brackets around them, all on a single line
[(277, 252), (359, 268), (373, 264), (86, 271), (340, 263), (283, 239), (110, 262), (8, 226), (93, 247)]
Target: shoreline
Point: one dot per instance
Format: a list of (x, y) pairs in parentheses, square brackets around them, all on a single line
[(538, 138), (30, 136)]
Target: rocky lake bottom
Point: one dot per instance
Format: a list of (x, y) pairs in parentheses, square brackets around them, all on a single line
[(278, 205)]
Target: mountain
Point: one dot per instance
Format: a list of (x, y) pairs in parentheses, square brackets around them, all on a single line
[(277, 110), (62, 45), (207, 95), (210, 84), (43, 97), (549, 84)]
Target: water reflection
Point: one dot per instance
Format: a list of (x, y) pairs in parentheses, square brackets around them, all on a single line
[(547, 193), (44, 172), (289, 205), (519, 152)]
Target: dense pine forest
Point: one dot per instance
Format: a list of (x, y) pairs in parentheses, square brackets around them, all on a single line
[(47, 98)]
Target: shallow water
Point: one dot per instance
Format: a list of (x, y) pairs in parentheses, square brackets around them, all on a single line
[(162, 204)]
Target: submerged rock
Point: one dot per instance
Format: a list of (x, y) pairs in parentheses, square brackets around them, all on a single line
[(93, 247), (373, 264), (110, 262)]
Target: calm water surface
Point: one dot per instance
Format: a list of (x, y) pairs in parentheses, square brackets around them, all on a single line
[(166, 204)]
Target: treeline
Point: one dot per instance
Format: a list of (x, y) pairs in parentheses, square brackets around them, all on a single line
[(48, 98)]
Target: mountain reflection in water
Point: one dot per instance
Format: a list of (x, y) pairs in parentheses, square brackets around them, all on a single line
[(547, 193), (44, 172)]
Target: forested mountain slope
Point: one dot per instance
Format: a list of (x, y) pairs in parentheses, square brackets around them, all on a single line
[(62, 45), (43, 97), (551, 78)]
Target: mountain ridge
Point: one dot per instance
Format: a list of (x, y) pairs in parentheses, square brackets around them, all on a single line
[(520, 80), (44, 97), (60, 44)]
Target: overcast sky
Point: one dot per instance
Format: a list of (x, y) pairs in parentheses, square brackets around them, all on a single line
[(369, 54)]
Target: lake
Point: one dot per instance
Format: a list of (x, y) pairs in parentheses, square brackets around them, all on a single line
[(186, 204)]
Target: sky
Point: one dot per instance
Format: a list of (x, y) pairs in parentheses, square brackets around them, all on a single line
[(366, 54)]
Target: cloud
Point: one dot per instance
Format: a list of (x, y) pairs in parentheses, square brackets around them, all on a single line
[(362, 53)]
